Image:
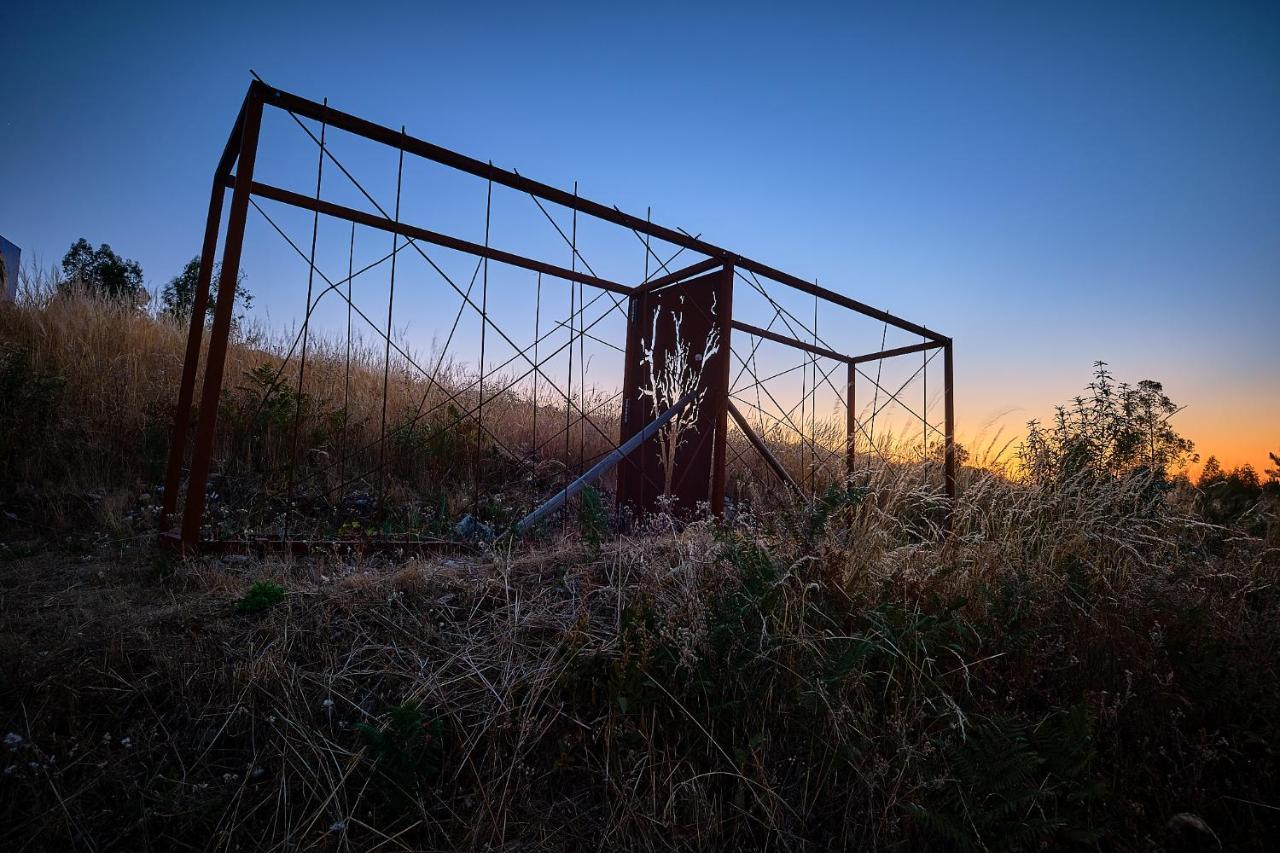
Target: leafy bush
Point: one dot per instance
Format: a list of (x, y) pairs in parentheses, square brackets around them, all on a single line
[(262, 595), (1009, 785), (593, 521), (407, 752), (30, 400), (1113, 430), (1234, 497)]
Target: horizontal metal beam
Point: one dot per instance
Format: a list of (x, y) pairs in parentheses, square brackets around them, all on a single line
[(791, 342), (413, 232), (302, 547), (890, 353), (421, 148), (837, 298), (679, 275)]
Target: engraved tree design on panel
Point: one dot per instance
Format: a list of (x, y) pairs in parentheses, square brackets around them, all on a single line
[(681, 373)]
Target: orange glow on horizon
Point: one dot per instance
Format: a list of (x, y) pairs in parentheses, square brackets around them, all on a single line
[(1232, 444)]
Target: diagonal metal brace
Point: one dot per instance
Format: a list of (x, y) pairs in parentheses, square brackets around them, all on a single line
[(763, 449)]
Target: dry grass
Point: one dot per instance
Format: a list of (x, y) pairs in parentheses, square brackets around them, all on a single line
[(308, 451), (1077, 665), (811, 680), (117, 369)]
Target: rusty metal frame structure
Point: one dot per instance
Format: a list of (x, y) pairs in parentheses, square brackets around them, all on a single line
[(235, 174)]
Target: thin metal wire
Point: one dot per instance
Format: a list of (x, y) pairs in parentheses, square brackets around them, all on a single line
[(463, 415), (786, 414), (892, 397), (608, 344), (805, 358), (537, 324), (813, 409), (782, 313), (783, 422), (484, 318), (799, 431), (306, 328), (432, 380), (582, 355), (520, 353), (535, 368), (757, 381), (346, 380), (756, 343), (573, 248), (573, 257), (924, 402), (648, 251), (386, 363), (448, 280), (409, 359), (332, 286), (577, 316), (466, 296), (751, 357), (879, 367)]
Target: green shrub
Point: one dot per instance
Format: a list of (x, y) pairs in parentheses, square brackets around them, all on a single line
[(1008, 785), (262, 595), (593, 521), (30, 400), (407, 752)]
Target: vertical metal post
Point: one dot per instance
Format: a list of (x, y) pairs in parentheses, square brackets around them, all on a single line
[(720, 394), (850, 421), (950, 415), (195, 334), (195, 330), (220, 333)]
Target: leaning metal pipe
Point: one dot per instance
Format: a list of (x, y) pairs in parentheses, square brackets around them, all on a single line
[(604, 464)]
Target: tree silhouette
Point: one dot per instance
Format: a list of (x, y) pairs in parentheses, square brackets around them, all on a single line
[(179, 295), (102, 271), (1211, 473), (1227, 498), (1115, 429)]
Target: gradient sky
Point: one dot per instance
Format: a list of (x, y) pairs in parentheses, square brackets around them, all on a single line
[(1048, 184)]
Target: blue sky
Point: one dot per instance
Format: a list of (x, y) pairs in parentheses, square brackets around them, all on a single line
[(1050, 184)]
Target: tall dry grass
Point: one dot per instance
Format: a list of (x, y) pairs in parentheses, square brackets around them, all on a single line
[(112, 372), (307, 448), (1082, 663), (826, 676)]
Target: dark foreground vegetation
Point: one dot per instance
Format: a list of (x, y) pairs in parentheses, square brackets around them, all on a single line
[(1090, 662)]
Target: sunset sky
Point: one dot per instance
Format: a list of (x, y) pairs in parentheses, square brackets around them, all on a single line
[(1050, 185)]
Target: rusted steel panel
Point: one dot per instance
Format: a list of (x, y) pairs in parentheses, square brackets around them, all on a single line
[(677, 331)]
